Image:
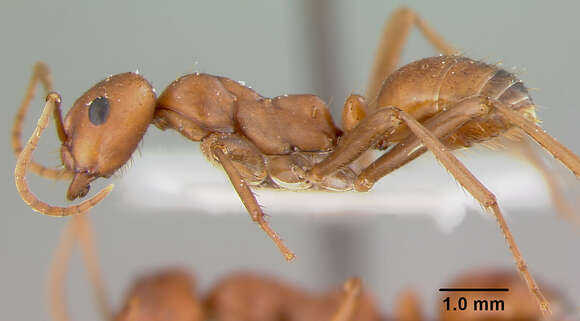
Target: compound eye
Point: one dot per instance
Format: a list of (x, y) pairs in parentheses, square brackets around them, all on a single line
[(99, 110)]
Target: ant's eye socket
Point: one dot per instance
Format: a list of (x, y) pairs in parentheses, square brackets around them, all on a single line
[(99, 110)]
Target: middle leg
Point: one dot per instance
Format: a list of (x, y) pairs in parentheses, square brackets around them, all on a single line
[(441, 125), (378, 126), (564, 207)]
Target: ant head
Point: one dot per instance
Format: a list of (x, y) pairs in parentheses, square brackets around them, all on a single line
[(104, 127)]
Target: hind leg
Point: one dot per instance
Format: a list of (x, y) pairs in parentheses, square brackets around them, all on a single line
[(485, 197), (537, 133), (425, 136), (563, 206)]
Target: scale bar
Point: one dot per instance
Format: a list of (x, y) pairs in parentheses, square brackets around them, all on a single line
[(474, 289)]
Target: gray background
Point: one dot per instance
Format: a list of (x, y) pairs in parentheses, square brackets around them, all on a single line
[(269, 45)]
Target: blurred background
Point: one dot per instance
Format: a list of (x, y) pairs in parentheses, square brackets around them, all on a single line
[(320, 47)]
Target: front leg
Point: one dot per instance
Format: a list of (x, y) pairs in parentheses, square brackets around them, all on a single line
[(244, 166)]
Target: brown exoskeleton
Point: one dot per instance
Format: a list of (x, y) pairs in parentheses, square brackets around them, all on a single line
[(252, 297), (291, 142), (246, 297), (171, 294)]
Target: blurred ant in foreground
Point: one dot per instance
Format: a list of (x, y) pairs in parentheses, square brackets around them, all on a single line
[(435, 104), (171, 295)]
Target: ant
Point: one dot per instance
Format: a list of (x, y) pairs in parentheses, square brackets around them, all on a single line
[(231, 300), (436, 104), (170, 294)]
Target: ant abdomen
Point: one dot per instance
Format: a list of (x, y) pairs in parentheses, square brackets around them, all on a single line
[(429, 86)]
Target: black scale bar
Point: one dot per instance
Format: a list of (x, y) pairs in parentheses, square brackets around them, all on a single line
[(474, 290)]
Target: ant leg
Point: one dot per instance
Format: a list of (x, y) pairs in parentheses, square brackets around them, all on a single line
[(351, 146), (549, 143), (86, 239), (430, 141), (441, 125), (407, 307), (249, 200), (58, 271), (40, 73), (23, 163), (481, 194), (378, 126), (78, 228), (563, 206), (394, 36), (350, 300)]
